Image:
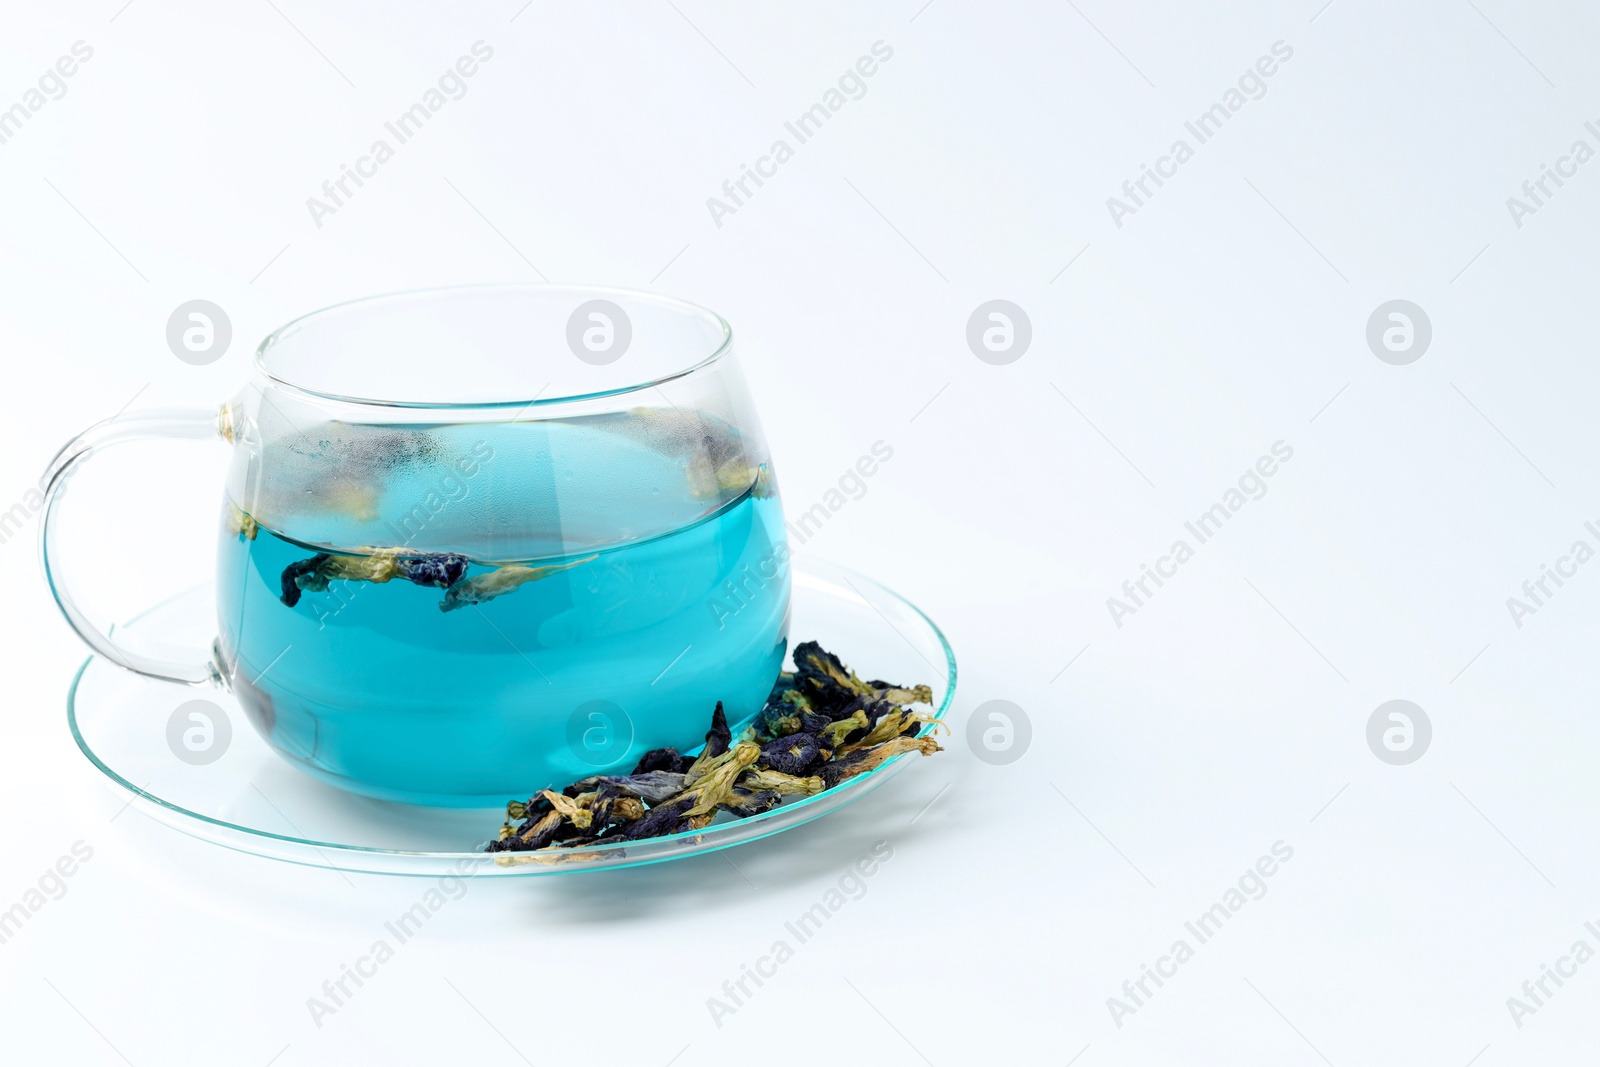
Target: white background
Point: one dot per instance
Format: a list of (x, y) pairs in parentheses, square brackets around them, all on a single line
[(1227, 314)]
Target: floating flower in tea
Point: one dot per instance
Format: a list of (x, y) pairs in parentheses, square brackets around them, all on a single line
[(237, 522), (332, 468), (441, 570), (498, 582), (717, 467)]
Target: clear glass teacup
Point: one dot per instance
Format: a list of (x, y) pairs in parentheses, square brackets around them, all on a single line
[(480, 541)]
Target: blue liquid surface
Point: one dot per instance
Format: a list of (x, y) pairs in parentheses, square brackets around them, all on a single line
[(375, 688)]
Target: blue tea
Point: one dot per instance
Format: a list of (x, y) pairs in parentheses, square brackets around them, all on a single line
[(472, 612)]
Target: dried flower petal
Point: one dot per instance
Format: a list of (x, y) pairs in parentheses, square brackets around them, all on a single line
[(795, 754), (438, 569), (652, 786), (660, 759), (717, 740), (744, 803)]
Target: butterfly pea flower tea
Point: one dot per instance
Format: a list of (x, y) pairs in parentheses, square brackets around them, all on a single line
[(577, 565), (464, 553)]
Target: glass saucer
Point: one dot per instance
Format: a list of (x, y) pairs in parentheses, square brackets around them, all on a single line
[(249, 799)]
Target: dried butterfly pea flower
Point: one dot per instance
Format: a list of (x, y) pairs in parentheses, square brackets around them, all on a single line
[(590, 814), (831, 687), (766, 482), (717, 741), (379, 566), (574, 809), (499, 582), (897, 722), (709, 481), (719, 736), (611, 808), (897, 695), (744, 803), (705, 768), (664, 818), (713, 453), (535, 834), (790, 718), (820, 676), (540, 825), (661, 759), (719, 468), (701, 821), (811, 660), (718, 777), (786, 710), (856, 720), (834, 733), (239, 523), (694, 807), (301, 570), (770, 729), (853, 728), (798, 754), (627, 809), (868, 759), (651, 786), (440, 569), (812, 722), (789, 785), (799, 702)]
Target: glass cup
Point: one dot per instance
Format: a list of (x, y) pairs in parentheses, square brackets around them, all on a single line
[(480, 541)]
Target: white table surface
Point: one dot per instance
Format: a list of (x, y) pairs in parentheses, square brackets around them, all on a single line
[(1169, 753)]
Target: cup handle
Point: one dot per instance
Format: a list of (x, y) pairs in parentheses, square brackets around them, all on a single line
[(185, 423)]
